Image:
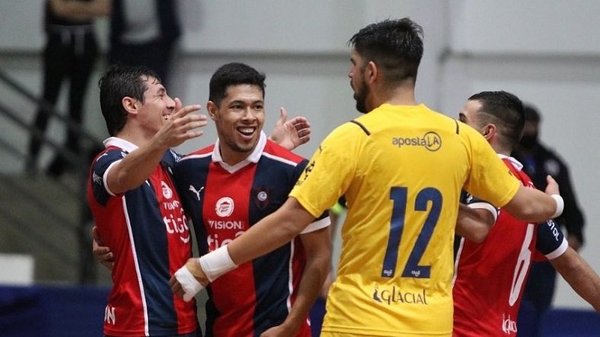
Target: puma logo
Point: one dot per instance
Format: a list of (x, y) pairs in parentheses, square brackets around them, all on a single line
[(196, 192)]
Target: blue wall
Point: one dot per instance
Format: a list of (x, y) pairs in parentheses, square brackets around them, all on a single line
[(57, 311), (52, 311)]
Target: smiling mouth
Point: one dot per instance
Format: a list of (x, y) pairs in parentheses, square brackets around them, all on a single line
[(247, 131)]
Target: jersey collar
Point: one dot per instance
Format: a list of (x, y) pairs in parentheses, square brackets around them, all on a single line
[(517, 164), (120, 143), (254, 157)]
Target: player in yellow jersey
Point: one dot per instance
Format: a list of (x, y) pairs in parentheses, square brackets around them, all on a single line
[(401, 168)]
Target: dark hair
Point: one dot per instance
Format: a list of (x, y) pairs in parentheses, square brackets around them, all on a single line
[(233, 74), (531, 113), (118, 82), (505, 110), (396, 46)]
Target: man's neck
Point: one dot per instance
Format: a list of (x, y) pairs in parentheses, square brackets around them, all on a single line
[(399, 95)]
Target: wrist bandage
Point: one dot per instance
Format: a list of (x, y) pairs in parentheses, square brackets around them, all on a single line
[(188, 282), (560, 205), (216, 263)]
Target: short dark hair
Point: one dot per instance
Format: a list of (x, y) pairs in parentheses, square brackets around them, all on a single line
[(233, 74), (505, 110), (396, 46), (118, 82)]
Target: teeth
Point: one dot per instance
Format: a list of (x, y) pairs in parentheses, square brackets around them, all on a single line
[(246, 130)]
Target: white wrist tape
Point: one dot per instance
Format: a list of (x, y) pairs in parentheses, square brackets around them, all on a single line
[(560, 205), (217, 263), (188, 282)]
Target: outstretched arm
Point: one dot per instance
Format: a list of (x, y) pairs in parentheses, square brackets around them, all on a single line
[(267, 235), (290, 134), (580, 276), (137, 166)]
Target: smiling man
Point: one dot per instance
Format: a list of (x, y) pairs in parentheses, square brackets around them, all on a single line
[(137, 210), (228, 187)]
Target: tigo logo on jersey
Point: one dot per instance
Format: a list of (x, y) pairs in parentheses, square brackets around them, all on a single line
[(430, 141), (224, 207)]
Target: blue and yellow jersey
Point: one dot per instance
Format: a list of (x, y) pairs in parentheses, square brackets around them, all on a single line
[(401, 169)]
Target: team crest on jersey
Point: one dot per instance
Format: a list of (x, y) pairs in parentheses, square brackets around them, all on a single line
[(224, 207), (261, 198), (166, 191)]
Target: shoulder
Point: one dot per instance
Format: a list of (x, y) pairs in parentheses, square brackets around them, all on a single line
[(278, 153), (205, 152), (108, 156), (192, 161)]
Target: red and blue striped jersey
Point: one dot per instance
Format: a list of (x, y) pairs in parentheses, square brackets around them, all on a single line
[(146, 230), (223, 202), (491, 276)]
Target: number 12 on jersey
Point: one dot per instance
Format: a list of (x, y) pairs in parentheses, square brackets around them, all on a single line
[(398, 195)]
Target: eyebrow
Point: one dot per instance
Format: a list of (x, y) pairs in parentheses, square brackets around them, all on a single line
[(241, 101)]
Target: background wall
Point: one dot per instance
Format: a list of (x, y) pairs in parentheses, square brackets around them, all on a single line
[(546, 52)]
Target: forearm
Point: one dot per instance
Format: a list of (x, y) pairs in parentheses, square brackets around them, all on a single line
[(135, 168), (265, 236), (580, 276), (317, 248), (533, 205), (309, 289), (270, 233)]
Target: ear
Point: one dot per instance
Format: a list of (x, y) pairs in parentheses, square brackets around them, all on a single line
[(212, 108), (371, 72), (130, 104), (490, 131)]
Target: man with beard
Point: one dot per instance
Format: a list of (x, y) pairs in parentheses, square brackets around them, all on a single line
[(401, 167)]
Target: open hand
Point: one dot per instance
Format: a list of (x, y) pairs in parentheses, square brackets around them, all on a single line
[(290, 134)]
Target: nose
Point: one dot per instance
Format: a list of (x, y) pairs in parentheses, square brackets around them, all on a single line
[(170, 102), (248, 114)]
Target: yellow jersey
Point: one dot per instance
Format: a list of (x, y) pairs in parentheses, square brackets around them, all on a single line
[(401, 170)]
